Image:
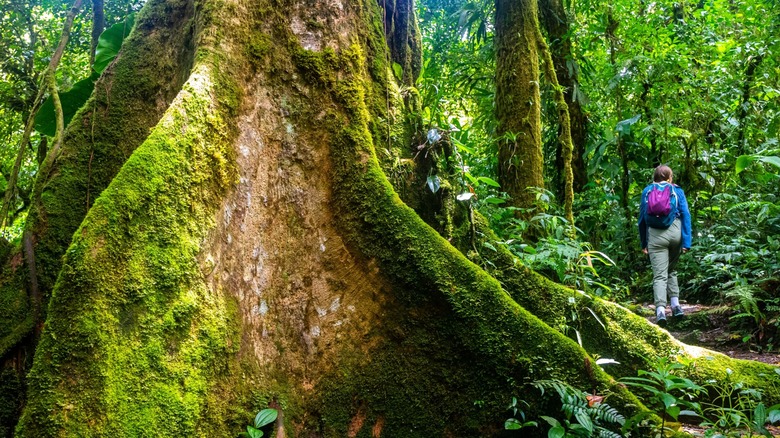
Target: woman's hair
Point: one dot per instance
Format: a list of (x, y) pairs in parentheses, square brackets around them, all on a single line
[(662, 173)]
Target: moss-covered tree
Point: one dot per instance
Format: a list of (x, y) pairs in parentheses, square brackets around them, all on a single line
[(246, 250), (520, 163), (554, 20)]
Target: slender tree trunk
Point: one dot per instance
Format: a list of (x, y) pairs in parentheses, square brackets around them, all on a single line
[(564, 137), (98, 25), (612, 26), (518, 106), (556, 24), (750, 71)]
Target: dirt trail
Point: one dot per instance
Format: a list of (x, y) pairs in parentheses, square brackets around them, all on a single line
[(704, 326)]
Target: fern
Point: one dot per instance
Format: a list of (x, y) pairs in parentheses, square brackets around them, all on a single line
[(574, 403), (752, 205), (606, 433)]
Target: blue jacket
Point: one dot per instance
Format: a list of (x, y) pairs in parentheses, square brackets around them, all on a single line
[(682, 213)]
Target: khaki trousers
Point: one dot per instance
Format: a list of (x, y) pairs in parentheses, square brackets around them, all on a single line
[(664, 247)]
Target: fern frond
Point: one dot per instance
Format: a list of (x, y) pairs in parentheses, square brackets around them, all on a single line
[(560, 387), (752, 205), (606, 413), (606, 433)]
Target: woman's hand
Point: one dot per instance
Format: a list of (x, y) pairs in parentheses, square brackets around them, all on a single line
[(644, 250)]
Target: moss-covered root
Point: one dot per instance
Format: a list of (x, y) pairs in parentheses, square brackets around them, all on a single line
[(133, 334), (486, 322), (128, 100), (624, 336)]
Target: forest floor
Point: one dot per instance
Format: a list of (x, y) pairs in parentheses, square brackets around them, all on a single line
[(708, 327)]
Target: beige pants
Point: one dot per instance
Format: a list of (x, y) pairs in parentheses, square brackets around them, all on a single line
[(664, 247)]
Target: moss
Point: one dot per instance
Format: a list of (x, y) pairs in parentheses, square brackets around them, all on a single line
[(108, 128), (450, 312), (260, 46), (11, 397), (134, 336), (625, 337)]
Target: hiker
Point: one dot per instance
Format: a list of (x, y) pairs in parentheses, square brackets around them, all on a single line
[(664, 232)]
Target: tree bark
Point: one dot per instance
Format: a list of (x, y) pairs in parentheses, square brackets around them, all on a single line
[(98, 25), (252, 253), (518, 106), (556, 24)]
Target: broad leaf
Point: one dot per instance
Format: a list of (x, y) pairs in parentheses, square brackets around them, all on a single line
[(110, 42), (775, 161), (398, 71), (624, 126), (556, 432), (743, 162), (488, 181), (512, 424), (266, 416), (253, 432)]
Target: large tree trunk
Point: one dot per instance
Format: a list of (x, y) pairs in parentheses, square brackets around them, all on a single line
[(251, 252)]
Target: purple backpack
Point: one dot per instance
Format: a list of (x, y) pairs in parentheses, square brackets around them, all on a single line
[(661, 205)]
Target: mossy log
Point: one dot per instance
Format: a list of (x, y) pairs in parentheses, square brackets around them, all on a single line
[(251, 252)]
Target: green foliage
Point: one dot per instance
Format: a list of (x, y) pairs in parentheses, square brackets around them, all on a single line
[(263, 418), (109, 43), (667, 392), (736, 409), (584, 415), (513, 423)]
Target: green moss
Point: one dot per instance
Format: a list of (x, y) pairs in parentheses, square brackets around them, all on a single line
[(116, 119), (260, 45), (134, 337), (450, 312), (625, 336), (11, 399)]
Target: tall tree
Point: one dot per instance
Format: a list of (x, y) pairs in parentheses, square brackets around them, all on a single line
[(518, 104), (248, 250), (555, 22)]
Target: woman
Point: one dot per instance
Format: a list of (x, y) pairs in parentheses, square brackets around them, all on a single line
[(664, 237)]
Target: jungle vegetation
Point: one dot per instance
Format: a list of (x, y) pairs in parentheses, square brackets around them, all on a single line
[(380, 218)]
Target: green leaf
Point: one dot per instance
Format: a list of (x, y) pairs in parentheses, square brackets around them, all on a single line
[(253, 432), (673, 412), (584, 419), (71, 100), (556, 432), (494, 201), (398, 70), (110, 42), (743, 162), (759, 414), (771, 160), (668, 400), (624, 126), (512, 424), (488, 181), (266, 416), (434, 183), (773, 416)]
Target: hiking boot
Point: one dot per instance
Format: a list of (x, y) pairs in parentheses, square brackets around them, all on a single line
[(660, 316), (677, 312)]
